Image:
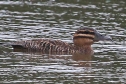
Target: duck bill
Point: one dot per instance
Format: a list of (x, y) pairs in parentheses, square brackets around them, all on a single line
[(100, 37)]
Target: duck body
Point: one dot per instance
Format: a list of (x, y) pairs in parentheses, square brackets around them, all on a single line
[(83, 38), (49, 45), (42, 44)]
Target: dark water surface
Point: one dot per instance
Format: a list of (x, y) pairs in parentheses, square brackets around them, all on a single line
[(58, 19)]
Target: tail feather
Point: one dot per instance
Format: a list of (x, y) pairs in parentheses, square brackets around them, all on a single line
[(18, 47), (1, 43)]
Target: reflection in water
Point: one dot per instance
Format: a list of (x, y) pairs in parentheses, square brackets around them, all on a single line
[(50, 66), (82, 59)]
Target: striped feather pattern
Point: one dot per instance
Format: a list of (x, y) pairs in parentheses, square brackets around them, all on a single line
[(44, 45)]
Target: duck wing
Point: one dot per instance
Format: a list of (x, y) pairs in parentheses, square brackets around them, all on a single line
[(41, 44)]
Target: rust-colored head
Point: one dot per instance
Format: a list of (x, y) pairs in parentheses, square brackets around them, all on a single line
[(87, 36)]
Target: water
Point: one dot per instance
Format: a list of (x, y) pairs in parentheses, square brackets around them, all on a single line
[(58, 19)]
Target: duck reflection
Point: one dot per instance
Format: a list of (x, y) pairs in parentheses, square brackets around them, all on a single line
[(84, 60), (69, 59)]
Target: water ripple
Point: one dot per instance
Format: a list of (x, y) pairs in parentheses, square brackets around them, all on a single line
[(59, 20)]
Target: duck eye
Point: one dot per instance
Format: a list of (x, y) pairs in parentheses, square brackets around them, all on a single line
[(86, 32)]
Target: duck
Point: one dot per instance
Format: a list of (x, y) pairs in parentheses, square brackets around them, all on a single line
[(83, 38)]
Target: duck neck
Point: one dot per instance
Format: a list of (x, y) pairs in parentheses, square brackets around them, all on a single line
[(84, 48)]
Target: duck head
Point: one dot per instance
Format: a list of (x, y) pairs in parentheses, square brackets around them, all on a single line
[(87, 36)]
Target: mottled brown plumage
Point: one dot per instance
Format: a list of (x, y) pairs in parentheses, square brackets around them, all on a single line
[(83, 38)]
